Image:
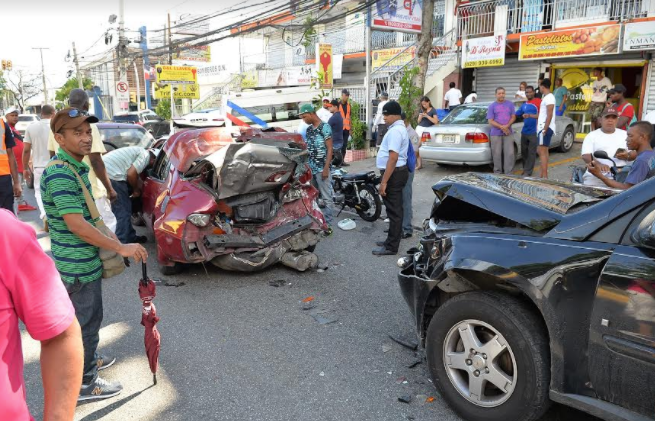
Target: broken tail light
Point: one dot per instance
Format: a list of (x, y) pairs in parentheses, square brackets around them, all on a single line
[(200, 220), (476, 138), (306, 177), (425, 137), (276, 177)]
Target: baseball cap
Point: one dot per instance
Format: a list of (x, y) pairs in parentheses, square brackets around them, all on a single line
[(12, 110), (618, 88), (610, 111), (334, 102), (70, 118), (326, 98), (345, 91), (306, 108), (391, 108)]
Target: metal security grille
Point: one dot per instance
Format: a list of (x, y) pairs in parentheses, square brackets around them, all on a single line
[(509, 76)]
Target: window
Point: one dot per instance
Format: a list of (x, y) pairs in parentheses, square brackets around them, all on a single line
[(130, 118), (121, 138), (27, 118), (272, 113), (161, 167), (466, 115)]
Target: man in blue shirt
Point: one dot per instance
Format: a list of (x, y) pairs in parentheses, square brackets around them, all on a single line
[(639, 136), (529, 142), (336, 124), (319, 146), (392, 163)]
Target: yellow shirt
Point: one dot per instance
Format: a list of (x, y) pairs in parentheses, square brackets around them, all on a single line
[(97, 146)]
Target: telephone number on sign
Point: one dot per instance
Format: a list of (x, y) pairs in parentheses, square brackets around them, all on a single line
[(482, 63)]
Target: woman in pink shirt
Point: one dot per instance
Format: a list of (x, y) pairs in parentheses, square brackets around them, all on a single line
[(35, 294)]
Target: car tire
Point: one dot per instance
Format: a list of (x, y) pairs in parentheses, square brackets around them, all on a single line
[(567, 140), (522, 366), (171, 270)]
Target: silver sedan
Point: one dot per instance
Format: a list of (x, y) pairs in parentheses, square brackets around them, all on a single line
[(462, 138)]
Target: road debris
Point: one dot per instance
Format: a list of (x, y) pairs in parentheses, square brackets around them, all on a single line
[(277, 283), (322, 374), (386, 348), (323, 320), (173, 284), (421, 399), (430, 399), (308, 299), (401, 380), (405, 398), (407, 342)]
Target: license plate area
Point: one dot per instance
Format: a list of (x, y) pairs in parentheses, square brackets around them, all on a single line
[(448, 138)]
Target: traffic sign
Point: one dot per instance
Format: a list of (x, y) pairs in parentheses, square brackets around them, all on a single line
[(122, 91), (184, 75)]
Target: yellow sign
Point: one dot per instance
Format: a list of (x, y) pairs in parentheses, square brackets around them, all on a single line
[(250, 79), (186, 75), (381, 57), (163, 91), (324, 64), (589, 41)]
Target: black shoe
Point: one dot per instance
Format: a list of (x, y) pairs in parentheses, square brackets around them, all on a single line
[(104, 361), (380, 243), (407, 235), (345, 164), (383, 251), (99, 389), (141, 239)]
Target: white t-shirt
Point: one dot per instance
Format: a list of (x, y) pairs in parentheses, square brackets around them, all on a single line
[(470, 97), (600, 90), (37, 135), (521, 94), (601, 141), (543, 112), (453, 96), (379, 118), (324, 114)]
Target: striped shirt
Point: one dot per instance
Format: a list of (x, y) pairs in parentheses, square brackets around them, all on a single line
[(118, 161), (62, 195), (316, 138)]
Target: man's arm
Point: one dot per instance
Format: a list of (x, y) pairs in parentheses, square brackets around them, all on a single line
[(550, 109), (495, 124), (596, 170), (445, 105), (134, 181), (13, 168), (391, 166), (98, 166), (27, 151), (328, 160), (624, 120), (62, 362)]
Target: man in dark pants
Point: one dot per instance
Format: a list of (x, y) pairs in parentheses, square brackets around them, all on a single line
[(530, 112), (76, 241), (336, 124), (9, 183), (345, 109), (392, 163)]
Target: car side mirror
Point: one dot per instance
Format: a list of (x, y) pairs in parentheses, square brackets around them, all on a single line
[(644, 235)]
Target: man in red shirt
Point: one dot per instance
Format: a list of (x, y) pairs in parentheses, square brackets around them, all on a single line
[(12, 118), (35, 294), (625, 109)]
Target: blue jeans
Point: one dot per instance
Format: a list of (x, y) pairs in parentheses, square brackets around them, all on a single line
[(325, 189), (122, 209), (407, 205)]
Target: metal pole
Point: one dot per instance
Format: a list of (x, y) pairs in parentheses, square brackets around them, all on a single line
[(367, 80), (146, 63), (77, 69), (45, 89), (172, 107), (121, 37), (138, 87), (170, 44)]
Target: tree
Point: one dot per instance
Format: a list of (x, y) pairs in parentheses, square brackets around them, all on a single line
[(423, 51), (64, 92), (23, 87)]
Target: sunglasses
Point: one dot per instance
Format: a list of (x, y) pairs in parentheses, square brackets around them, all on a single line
[(77, 113)]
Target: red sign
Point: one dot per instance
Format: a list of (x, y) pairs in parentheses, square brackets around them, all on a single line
[(122, 87)]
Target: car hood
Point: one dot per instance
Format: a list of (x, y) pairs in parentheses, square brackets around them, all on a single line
[(535, 203)]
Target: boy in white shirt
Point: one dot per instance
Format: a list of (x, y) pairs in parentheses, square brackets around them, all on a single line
[(545, 124), (453, 97)]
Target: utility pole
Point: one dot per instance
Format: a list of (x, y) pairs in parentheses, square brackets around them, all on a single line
[(170, 43), (367, 79), (45, 89), (146, 63), (77, 69), (121, 37)]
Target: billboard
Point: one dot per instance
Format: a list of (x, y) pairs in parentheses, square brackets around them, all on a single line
[(589, 41), (324, 65), (639, 36), (398, 15), (484, 52), (186, 75), (188, 52), (380, 57), (163, 91)]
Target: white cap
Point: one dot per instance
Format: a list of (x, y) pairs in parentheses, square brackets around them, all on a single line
[(12, 110), (327, 98)]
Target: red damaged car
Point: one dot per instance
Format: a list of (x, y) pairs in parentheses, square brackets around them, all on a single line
[(240, 198)]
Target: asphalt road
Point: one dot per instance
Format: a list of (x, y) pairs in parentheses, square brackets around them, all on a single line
[(244, 346)]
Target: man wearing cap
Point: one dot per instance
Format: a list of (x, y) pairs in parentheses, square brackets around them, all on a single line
[(9, 181), (75, 240), (11, 118), (392, 163), (345, 109), (639, 137), (324, 112), (319, 146), (609, 139), (124, 167), (378, 123), (103, 192), (336, 124), (623, 107), (36, 148)]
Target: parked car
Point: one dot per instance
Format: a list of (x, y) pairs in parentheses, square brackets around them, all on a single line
[(25, 120), (239, 198), (136, 117), (462, 138), (529, 291), (116, 135), (210, 117)]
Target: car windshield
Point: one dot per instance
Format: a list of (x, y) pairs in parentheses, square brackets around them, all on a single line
[(26, 118), (126, 118), (466, 115), (122, 137)]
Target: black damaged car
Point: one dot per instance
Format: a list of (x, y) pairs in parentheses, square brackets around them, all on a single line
[(530, 291)]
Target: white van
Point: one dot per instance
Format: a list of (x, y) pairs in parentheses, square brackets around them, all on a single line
[(277, 107)]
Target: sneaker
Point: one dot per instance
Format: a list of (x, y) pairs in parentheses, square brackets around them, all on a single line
[(407, 235), (99, 389), (104, 361)]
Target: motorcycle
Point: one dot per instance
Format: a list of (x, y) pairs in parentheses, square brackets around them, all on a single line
[(619, 174), (357, 191)]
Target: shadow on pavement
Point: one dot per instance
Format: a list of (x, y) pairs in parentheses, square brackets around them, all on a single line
[(112, 407)]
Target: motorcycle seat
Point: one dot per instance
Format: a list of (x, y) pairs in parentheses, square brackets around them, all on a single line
[(362, 176)]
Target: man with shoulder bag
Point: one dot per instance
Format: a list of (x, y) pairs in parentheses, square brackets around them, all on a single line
[(84, 249)]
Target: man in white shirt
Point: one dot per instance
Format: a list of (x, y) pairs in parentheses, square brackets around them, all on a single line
[(36, 141), (453, 97), (378, 122), (545, 125), (609, 139), (324, 113), (601, 85), (471, 98)]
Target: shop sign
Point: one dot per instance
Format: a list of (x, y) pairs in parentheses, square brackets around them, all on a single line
[(484, 52), (589, 41), (250, 79), (186, 75), (400, 16), (188, 52), (163, 91), (639, 36), (324, 65), (380, 57)]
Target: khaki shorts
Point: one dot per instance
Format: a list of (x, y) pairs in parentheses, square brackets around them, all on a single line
[(596, 109)]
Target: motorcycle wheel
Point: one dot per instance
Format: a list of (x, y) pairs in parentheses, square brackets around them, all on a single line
[(369, 195)]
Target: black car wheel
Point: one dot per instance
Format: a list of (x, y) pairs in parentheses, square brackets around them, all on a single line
[(488, 355), (373, 204), (567, 140), (171, 270)]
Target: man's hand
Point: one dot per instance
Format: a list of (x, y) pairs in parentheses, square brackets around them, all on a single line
[(135, 251), (597, 169), (112, 195), (624, 155), (505, 130), (27, 175), (18, 190), (137, 193), (325, 173), (603, 168), (383, 189)]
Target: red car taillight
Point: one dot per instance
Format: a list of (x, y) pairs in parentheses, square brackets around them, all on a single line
[(476, 138), (425, 137)]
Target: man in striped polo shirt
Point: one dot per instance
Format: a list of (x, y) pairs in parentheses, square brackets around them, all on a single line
[(75, 241), (124, 167)]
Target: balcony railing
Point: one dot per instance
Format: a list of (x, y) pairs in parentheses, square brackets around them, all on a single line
[(478, 18)]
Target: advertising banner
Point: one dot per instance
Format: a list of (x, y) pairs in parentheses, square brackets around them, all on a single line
[(186, 75), (398, 15), (639, 36), (292, 76), (589, 41), (163, 91), (324, 65), (250, 79), (188, 52), (380, 57), (484, 52)]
